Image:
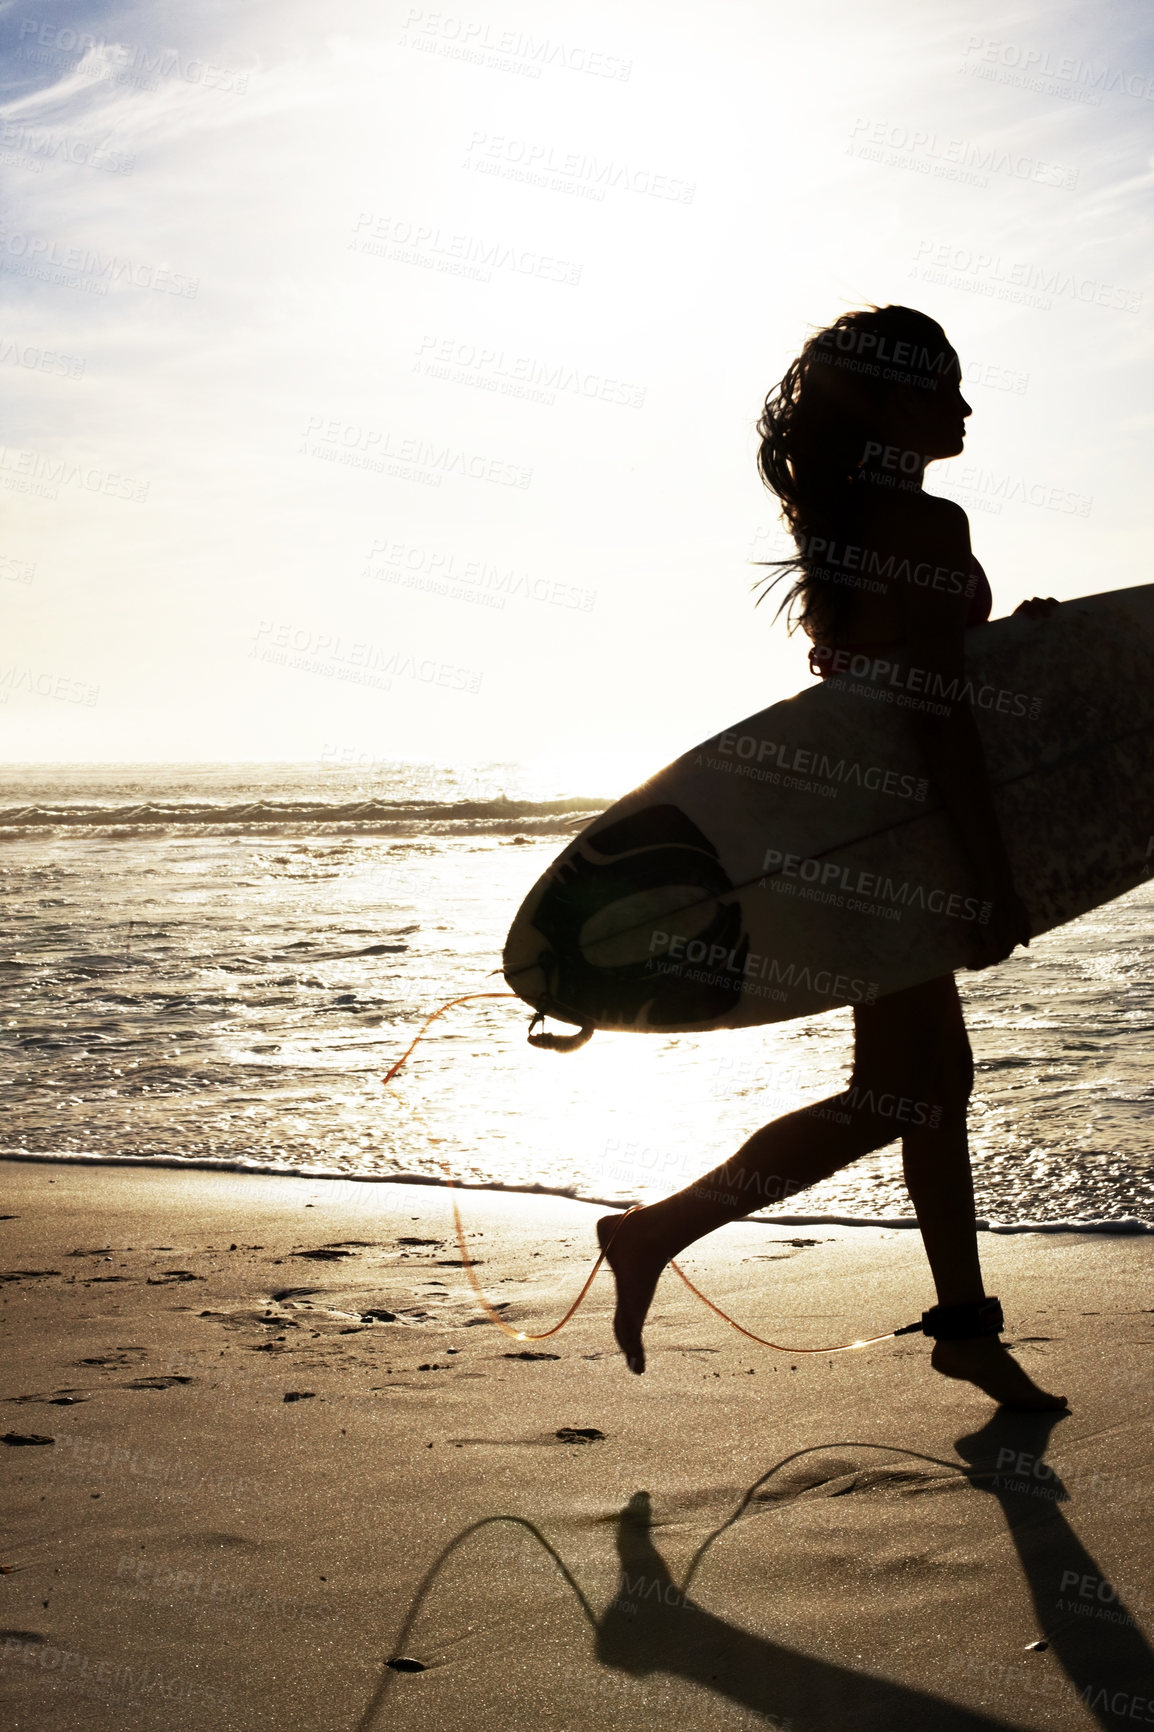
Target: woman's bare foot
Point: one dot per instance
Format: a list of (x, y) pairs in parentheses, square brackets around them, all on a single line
[(637, 1270), (984, 1361)]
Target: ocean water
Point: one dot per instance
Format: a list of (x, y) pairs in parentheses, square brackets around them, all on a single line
[(217, 964)]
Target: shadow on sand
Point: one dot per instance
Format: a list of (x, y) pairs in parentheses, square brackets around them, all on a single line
[(654, 1626)]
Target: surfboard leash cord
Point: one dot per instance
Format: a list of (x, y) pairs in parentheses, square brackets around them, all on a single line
[(550, 1042), (942, 1321), (947, 1322)]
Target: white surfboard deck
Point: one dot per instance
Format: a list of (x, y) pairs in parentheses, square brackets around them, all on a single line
[(799, 860)]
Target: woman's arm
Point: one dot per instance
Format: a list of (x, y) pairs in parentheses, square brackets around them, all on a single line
[(935, 626)]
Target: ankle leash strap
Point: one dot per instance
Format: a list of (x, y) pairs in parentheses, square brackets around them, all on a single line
[(959, 1322)]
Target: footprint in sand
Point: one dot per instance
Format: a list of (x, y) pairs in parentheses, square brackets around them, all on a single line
[(59, 1398)]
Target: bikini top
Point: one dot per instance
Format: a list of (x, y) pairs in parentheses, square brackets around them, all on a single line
[(827, 659)]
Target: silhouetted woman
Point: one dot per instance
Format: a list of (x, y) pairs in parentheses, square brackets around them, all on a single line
[(845, 439)]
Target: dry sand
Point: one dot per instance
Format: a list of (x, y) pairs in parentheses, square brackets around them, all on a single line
[(756, 1539)]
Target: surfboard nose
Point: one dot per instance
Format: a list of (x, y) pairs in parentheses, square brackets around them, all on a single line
[(525, 976)]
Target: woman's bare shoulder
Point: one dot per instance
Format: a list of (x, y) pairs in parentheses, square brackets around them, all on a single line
[(921, 525), (946, 514)]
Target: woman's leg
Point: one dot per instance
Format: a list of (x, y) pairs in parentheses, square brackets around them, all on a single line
[(912, 1076), (916, 1058), (936, 1164), (779, 1160), (782, 1158)]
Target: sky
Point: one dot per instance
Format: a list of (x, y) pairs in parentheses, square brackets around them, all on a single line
[(381, 380)]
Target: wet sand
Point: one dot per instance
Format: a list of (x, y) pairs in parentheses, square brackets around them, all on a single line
[(255, 1496)]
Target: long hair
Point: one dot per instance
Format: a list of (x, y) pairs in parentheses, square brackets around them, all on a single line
[(814, 430)]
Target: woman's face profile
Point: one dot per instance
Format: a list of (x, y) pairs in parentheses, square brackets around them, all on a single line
[(930, 422)]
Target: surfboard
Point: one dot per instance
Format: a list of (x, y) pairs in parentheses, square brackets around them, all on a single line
[(800, 859)]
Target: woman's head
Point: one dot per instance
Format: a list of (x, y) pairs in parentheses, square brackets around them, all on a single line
[(876, 393)]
